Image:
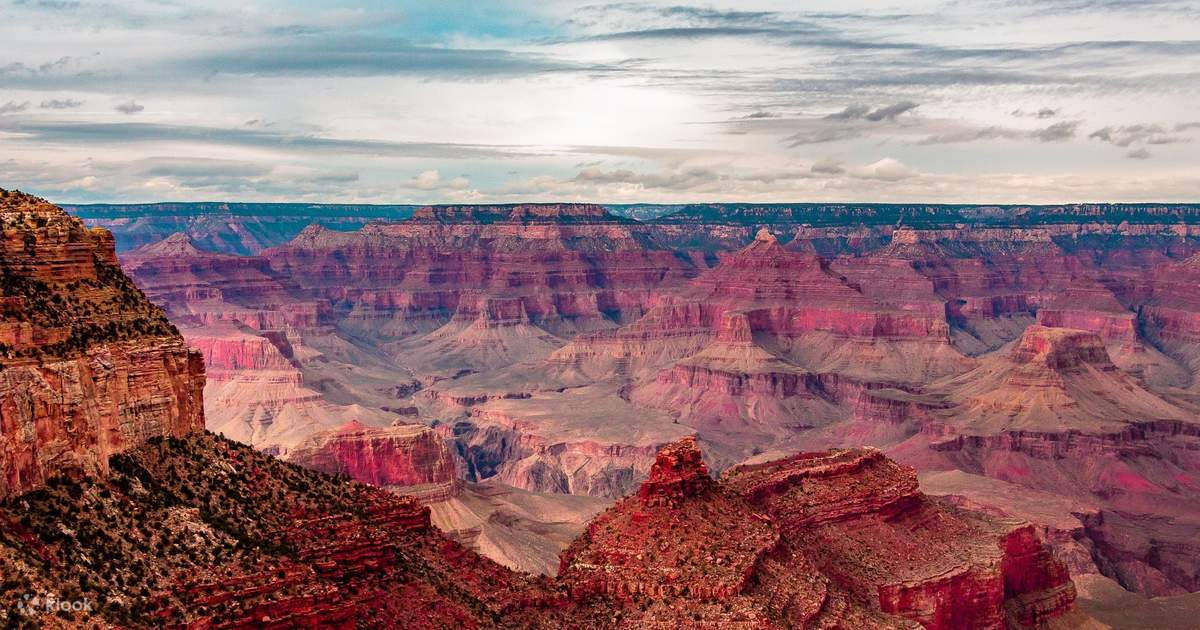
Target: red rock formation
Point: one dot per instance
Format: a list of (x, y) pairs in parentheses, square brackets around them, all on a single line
[(1090, 307), (816, 539), (678, 473), (815, 318), (572, 267), (204, 289), (230, 350), (1053, 379), (1171, 314), (88, 367), (1055, 415), (409, 458)]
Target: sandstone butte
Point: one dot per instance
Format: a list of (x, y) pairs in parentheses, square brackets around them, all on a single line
[(172, 526)]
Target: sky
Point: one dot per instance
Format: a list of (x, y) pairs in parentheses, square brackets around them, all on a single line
[(959, 101)]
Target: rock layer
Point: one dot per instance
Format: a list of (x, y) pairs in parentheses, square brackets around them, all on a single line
[(90, 367), (811, 540), (409, 458)]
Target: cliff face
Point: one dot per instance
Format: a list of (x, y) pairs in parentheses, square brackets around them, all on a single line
[(410, 458), (90, 366), (572, 267)]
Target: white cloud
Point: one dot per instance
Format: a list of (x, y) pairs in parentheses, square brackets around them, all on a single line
[(886, 169), (426, 180)]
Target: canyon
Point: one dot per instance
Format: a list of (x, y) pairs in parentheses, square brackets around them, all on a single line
[(517, 369), (121, 501)]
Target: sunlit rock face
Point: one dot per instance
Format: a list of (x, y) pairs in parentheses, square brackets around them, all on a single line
[(90, 367)]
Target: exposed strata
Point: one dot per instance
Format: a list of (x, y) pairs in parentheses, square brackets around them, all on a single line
[(1053, 414), (811, 316), (200, 288), (1052, 379), (204, 531), (572, 267), (522, 530), (88, 366), (228, 228), (227, 535), (811, 540), (408, 457), (722, 354), (1171, 315), (1093, 307)]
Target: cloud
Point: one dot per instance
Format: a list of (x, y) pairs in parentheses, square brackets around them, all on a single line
[(189, 168), (343, 56), (827, 167), (890, 112), (690, 32), (1128, 135), (681, 179), (887, 169), (1042, 114), (821, 136), (85, 134), (13, 107), (972, 135), (60, 104), (54, 5), (1187, 126), (859, 111), (129, 108), (1138, 154), (348, 91), (1058, 132), (425, 180), (17, 69), (432, 180), (856, 111)]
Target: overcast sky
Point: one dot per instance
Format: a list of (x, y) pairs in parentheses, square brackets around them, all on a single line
[(476, 101)]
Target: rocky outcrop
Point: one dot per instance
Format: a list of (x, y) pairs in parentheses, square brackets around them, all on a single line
[(88, 367), (813, 539), (204, 532), (678, 473), (229, 350), (564, 442), (1094, 308), (409, 458), (1052, 379)]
